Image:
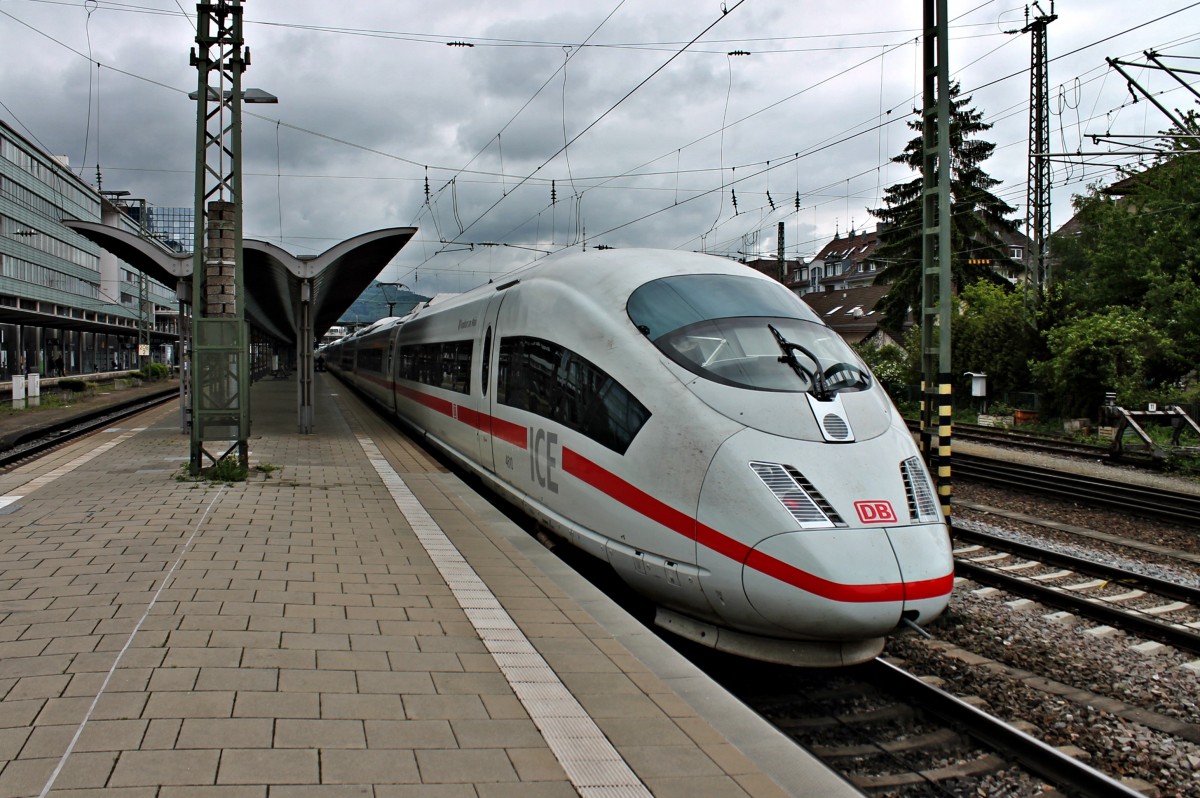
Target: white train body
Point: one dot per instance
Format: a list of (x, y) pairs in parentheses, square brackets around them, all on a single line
[(694, 424)]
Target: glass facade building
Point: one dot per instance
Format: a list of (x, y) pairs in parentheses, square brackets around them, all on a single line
[(66, 307), (173, 227)]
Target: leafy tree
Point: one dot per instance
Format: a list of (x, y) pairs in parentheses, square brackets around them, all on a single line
[(1138, 244), (1109, 351), (976, 214), (993, 334)]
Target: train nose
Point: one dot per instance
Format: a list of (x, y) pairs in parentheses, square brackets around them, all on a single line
[(797, 581), (834, 550)]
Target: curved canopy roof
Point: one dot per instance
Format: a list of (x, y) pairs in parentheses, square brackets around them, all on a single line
[(273, 277)]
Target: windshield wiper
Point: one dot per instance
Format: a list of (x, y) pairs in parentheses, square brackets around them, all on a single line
[(816, 378)]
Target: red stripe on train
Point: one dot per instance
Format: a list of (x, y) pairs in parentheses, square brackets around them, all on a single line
[(507, 431), (638, 500)]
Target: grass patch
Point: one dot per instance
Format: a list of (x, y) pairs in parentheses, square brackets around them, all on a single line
[(47, 401), (267, 469), (226, 470), (1184, 465)]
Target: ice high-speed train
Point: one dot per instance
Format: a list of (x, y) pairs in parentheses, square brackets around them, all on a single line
[(694, 424)]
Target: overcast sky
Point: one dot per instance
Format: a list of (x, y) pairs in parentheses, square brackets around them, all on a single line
[(645, 137)]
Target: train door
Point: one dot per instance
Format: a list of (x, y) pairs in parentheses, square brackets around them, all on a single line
[(389, 370), (487, 379)]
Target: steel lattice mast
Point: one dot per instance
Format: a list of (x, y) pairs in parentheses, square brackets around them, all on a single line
[(1037, 200), (219, 357)]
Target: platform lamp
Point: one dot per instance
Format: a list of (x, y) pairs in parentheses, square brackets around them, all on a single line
[(219, 355)]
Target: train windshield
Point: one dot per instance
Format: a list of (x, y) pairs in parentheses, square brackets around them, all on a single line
[(745, 332)]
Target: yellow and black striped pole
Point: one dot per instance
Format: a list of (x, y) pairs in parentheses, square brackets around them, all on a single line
[(945, 407)]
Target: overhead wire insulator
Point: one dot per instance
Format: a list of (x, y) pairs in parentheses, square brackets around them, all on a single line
[(459, 44), (770, 201), (797, 202), (553, 193), (733, 194)]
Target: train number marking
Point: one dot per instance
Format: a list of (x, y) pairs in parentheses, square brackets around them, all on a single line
[(508, 462), (542, 460), (875, 512)]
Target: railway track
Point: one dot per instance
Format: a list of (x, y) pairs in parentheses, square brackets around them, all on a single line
[(1143, 605), (1028, 441), (50, 436), (889, 731), (1032, 442), (987, 511), (1114, 494)]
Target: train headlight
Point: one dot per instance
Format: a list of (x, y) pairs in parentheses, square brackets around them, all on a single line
[(922, 503), (798, 496)]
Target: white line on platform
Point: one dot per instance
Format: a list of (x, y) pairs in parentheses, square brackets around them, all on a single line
[(187, 546), (67, 468)]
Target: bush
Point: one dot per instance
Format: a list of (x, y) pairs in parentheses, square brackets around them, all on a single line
[(1089, 355), (154, 371), (889, 365)]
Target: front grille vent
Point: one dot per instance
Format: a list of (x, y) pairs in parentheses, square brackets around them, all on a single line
[(922, 503), (798, 496)]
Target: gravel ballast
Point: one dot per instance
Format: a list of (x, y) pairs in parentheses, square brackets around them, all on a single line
[(1134, 712)]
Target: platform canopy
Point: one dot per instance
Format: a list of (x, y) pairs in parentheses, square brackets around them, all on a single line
[(273, 277)]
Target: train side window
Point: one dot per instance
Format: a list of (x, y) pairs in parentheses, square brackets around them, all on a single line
[(551, 381), (445, 364), (370, 360)]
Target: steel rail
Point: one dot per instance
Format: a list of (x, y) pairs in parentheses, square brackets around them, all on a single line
[(1029, 441), (1162, 587), (1156, 503), (1046, 761), (77, 426), (1096, 609)]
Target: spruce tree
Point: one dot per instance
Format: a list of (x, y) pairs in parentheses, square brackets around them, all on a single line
[(976, 217)]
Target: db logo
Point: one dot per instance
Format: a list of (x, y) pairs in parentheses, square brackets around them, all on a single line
[(878, 512)]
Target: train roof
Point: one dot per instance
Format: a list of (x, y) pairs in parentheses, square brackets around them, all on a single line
[(375, 326), (613, 273)]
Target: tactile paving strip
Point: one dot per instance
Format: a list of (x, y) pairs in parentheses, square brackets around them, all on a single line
[(593, 765)]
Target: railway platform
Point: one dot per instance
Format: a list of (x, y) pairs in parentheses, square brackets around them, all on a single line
[(353, 620)]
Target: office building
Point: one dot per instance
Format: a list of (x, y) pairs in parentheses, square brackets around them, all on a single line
[(66, 306)]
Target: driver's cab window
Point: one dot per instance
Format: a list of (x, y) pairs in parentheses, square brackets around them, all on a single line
[(745, 332)]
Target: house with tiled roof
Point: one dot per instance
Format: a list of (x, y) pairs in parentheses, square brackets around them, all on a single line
[(771, 267), (1122, 189), (851, 313), (845, 262)]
